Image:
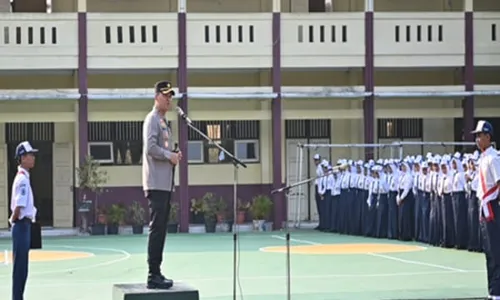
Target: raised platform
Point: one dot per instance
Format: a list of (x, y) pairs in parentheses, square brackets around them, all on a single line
[(138, 291)]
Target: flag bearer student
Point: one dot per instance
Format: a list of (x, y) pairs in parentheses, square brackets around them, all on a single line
[(345, 198), (417, 194), (23, 214), (445, 189), (404, 200), (393, 180), (424, 185), (383, 202), (435, 224), (323, 197), (459, 202), (355, 205), (372, 202), (488, 193), (473, 207), (319, 173), (330, 184), (336, 200)]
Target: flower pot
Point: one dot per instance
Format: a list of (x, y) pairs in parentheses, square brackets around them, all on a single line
[(197, 218), (101, 219), (98, 229), (240, 218), (173, 228), (113, 229), (259, 225), (220, 218), (210, 225), (137, 229)]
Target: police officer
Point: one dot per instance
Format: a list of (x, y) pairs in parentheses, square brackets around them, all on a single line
[(23, 214), (487, 193), (158, 161)]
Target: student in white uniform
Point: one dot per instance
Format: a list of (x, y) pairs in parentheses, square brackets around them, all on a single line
[(445, 190), (336, 200), (23, 214), (472, 179), (424, 188), (393, 210), (435, 224), (459, 203), (488, 194), (319, 173), (324, 195), (405, 203)]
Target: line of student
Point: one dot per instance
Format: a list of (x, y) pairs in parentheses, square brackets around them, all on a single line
[(431, 200)]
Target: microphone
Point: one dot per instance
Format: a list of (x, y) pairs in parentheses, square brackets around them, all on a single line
[(183, 115)]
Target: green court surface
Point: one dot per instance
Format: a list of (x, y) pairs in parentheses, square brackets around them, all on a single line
[(324, 266)]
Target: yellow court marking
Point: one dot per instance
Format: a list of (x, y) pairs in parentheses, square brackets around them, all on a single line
[(345, 249), (42, 255)]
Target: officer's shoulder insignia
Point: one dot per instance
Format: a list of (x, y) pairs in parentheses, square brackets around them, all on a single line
[(23, 191)]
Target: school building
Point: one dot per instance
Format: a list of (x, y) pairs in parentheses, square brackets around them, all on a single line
[(260, 77)]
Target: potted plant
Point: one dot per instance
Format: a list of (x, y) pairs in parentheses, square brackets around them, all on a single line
[(197, 216), (91, 180), (221, 210), (209, 204), (137, 217), (242, 209), (260, 210), (173, 219), (116, 216)]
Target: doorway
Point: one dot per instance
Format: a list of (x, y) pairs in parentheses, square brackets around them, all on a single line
[(41, 136)]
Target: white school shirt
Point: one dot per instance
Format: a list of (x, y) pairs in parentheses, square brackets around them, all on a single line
[(330, 182), (319, 173), (383, 185), (394, 183), (459, 182), (416, 179), (435, 182), (474, 183), (22, 195), (353, 183), (322, 185), (361, 181), (336, 186), (367, 183), (346, 179), (421, 182), (428, 182), (489, 175), (373, 191), (405, 184), (445, 184)]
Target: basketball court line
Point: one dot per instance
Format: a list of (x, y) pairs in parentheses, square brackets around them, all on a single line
[(407, 261), (125, 256), (250, 278)]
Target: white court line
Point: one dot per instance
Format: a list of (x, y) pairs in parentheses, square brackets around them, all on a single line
[(125, 256), (251, 278), (407, 261)]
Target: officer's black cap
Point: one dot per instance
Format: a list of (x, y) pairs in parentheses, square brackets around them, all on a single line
[(164, 87)]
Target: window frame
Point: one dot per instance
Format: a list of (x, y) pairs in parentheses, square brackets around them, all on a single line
[(111, 161), (202, 150), (248, 141)]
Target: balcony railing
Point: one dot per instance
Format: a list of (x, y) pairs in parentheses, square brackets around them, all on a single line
[(238, 41)]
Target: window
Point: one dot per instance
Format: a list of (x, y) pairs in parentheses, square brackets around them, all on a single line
[(240, 138), (400, 128), (102, 152), (123, 140)]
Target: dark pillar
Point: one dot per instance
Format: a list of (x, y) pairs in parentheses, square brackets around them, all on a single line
[(468, 102), (82, 86), (369, 101), (183, 129), (82, 102), (280, 209)]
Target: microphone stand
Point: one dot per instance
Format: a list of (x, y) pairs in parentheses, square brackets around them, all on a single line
[(286, 191), (236, 164)]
